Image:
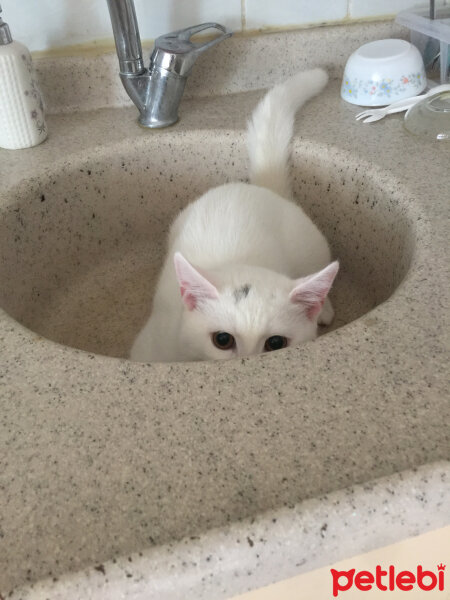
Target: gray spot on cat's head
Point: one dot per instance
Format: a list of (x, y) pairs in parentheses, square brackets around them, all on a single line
[(241, 292)]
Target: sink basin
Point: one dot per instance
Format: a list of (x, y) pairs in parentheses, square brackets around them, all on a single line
[(81, 246)]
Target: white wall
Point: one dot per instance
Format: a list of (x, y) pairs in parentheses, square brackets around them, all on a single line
[(43, 24)]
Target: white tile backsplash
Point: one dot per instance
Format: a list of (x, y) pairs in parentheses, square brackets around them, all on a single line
[(374, 8), (282, 13), (157, 17), (53, 23)]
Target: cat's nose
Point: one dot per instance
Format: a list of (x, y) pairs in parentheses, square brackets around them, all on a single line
[(248, 347)]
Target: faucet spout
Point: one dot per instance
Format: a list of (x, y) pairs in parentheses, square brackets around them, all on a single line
[(156, 91), (126, 36)]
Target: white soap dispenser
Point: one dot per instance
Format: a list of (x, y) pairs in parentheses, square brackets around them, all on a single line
[(22, 121)]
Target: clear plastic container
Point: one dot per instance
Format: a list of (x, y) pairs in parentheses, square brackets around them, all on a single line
[(430, 36), (430, 118)]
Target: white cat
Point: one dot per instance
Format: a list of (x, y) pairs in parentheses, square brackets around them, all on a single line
[(246, 271)]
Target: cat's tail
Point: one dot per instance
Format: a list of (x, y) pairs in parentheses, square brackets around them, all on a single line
[(271, 127)]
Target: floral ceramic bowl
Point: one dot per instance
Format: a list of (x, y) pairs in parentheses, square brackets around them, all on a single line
[(383, 72)]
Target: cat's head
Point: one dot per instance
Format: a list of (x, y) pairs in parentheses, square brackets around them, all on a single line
[(242, 310)]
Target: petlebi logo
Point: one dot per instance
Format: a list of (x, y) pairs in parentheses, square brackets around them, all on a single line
[(388, 579)]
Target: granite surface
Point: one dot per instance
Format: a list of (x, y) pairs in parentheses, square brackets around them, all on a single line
[(273, 546), (241, 63), (102, 458)]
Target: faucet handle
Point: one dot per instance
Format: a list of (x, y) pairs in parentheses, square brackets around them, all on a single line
[(184, 35), (175, 51)]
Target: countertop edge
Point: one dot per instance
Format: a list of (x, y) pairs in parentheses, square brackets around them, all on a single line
[(282, 543)]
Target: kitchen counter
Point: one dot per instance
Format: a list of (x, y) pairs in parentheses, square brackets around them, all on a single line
[(202, 480)]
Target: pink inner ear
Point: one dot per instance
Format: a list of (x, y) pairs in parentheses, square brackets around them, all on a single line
[(193, 286), (188, 298), (312, 290)]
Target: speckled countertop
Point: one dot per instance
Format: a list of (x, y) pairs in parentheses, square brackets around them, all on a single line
[(203, 480)]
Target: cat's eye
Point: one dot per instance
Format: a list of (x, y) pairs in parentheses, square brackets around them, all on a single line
[(275, 342), (223, 340)]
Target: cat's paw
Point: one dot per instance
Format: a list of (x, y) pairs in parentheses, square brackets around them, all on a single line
[(326, 315)]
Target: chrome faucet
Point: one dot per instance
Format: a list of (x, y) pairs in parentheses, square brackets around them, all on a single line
[(156, 91)]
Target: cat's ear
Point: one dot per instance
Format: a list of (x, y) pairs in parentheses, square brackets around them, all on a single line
[(194, 287), (311, 291)]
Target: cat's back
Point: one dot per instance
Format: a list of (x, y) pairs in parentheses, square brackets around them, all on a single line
[(227, 209), (244, 223)]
